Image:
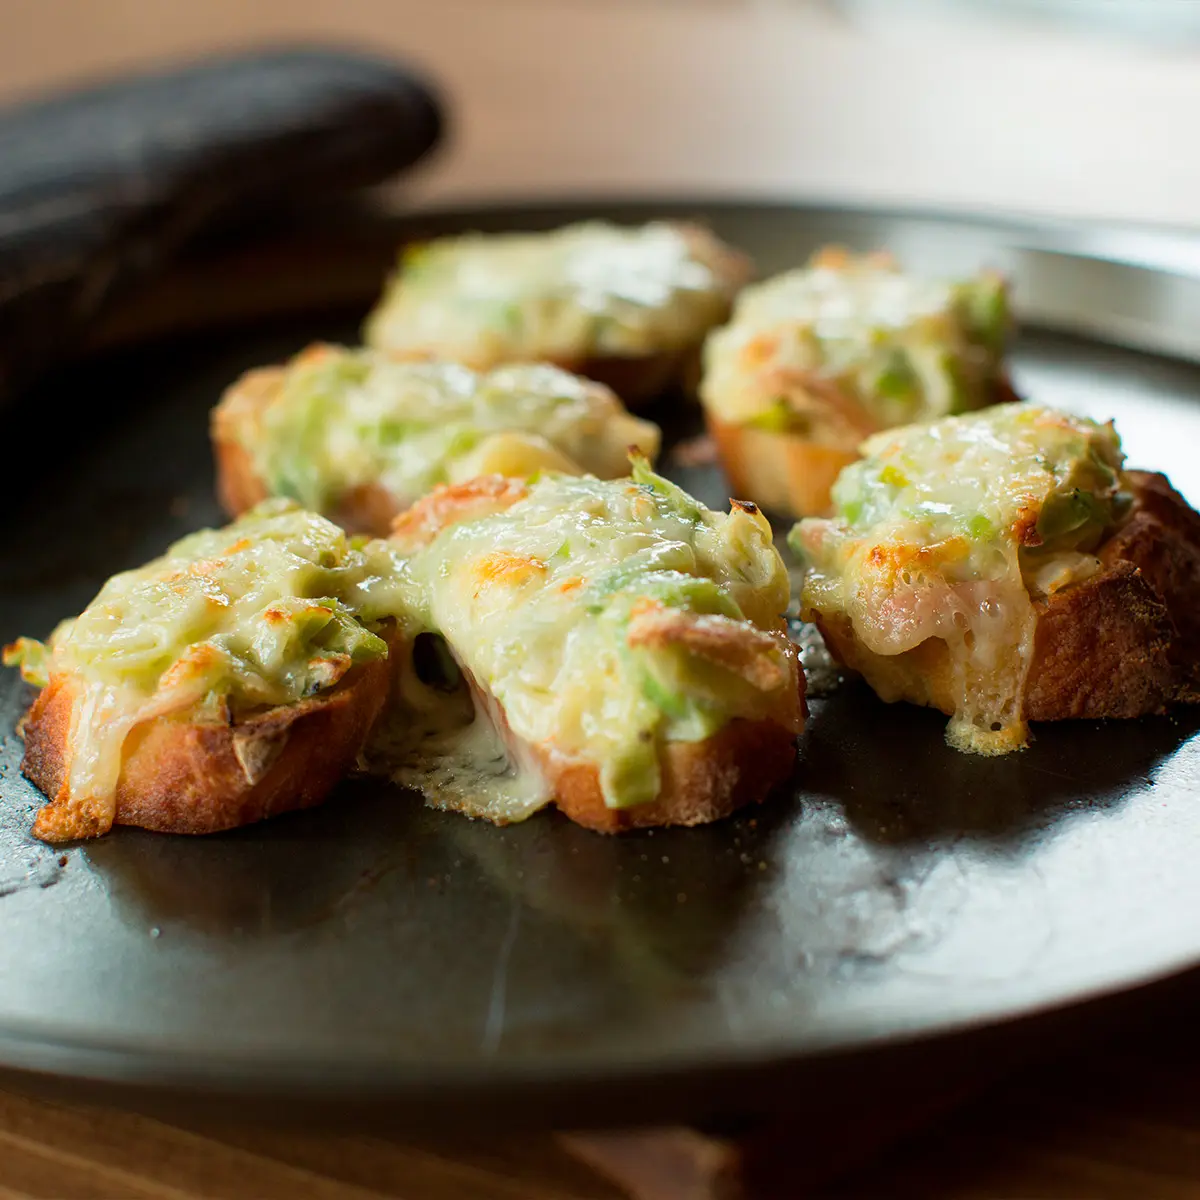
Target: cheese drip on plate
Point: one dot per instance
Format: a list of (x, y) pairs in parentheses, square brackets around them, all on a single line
[(228, 622), (593, 621), (942, 539)]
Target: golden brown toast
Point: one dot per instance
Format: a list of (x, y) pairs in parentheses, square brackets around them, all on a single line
[(701, 781), (1123, 643), (181, 776)]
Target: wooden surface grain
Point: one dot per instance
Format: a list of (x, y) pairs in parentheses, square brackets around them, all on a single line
[(1118, 1120)]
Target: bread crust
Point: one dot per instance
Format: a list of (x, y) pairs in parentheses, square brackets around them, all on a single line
[(787, 473), (781, 472), (369, 508), (238, 486), (1123, 643), (639, 380), (700, 781), (182, 776)]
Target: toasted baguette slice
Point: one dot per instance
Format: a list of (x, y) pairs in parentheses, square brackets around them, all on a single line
[(782, 472), (226, 680), (516, 421), (817, 359), (748, 752), (558, 283), (182, 776), (1123, 643)]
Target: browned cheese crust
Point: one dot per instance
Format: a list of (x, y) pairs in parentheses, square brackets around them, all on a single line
[(1124, 643), (181, 776), (368, 509)]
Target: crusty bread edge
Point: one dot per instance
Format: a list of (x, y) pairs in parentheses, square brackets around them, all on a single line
[(780, 472), (368, 509), (238, 486), (181, 776), (1107, 647), (700, 781)]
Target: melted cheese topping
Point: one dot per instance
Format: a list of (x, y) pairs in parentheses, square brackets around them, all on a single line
[(605, 618), (584, 291), (950, 531), (592, 621), (849, 345), (344, 419), (449, 745), (227, 621)]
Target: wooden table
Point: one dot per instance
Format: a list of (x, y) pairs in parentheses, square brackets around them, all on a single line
[(1118, 1120)]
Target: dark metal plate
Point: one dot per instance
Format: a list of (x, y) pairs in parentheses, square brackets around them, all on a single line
[(374, 952)]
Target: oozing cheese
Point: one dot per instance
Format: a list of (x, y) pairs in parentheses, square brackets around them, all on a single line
[(588, 290), (227, 621), (949, 531), (849, 345), (344, 419), (607, 618), (595, 621)]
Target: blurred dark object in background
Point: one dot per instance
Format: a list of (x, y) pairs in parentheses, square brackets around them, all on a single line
[(102, 186)]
